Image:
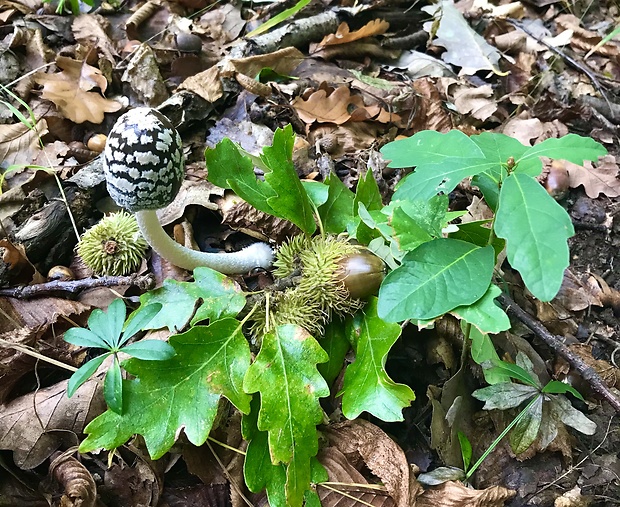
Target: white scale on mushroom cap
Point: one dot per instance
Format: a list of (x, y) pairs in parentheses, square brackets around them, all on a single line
[(144, 167)]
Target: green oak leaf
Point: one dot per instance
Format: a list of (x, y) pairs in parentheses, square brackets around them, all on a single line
[(291, 201), (367, 386), (571, 147), (367, 192), (181, 393), (430, 147), (429, 180), (228, 167), (499, 147), (536, 229), (435, 278), (336, 344), (216, 296), (290, 386), (258, 471), (337, 211), (484, 313)]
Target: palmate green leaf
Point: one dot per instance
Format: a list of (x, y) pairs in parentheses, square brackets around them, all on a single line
[(180, 393), (84, 373), (435, 278), (290, 386), (150, 350), (517, 372), (337, 211), (220, 296), (570, 147), (113, 387), (536, 229), (557, 387), (572, 417), (84, 338), (367, 386), (526, 429), (108, 325), (484, 313), (139, 320)]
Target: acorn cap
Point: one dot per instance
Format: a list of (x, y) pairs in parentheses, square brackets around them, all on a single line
[(143, 160)]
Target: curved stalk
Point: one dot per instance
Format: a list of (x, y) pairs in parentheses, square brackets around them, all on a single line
[(257, 255)]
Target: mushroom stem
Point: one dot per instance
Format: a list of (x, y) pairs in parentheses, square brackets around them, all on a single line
[(257, 255)]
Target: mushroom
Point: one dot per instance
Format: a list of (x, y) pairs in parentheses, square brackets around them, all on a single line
[(144, 167)]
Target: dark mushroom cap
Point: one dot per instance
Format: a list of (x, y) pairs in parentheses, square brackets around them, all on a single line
[(143, 160)]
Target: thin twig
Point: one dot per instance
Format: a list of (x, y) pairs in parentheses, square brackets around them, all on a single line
[(578, 364), (571, 61), (55, 288)]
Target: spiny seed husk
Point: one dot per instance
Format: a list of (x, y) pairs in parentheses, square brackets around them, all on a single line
[(114, 246), (320, 291)]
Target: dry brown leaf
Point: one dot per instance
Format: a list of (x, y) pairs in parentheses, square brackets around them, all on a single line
[(19, 145), (29, 424), (206, 84), (324, 108), (456, 494), (383, 457), (576, 296), (475, 101), (90, 30), (585, 40), (144, 78), (602, 179), (350, 489), (283, 61), (348, 138), (79, 488), (343, 35), (70, 91)]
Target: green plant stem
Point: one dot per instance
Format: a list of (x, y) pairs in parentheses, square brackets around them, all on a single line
[(466, 343), (490, 449)]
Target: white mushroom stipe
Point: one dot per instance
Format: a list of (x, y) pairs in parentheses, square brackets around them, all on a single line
[(257, 255), (144, 168)]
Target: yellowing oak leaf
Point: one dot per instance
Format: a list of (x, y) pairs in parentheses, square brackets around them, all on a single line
[(70, 91)]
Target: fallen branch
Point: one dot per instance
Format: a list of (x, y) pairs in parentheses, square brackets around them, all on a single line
[(56, 288), (587, 373)]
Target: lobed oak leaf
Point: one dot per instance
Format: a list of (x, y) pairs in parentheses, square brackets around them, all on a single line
[(343, 35), (70, 91), (602, 179)]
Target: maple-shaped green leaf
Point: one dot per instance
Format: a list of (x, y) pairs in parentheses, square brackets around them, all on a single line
[(211, 295), (536, 229), (286, 376), (416, 222), (367, 386), (181, 393), (435, 278)]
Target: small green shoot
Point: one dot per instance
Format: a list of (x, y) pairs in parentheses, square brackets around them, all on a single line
[(278, 19), (105, 331)]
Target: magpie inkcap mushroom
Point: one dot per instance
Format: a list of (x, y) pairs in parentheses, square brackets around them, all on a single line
[(144, 167)]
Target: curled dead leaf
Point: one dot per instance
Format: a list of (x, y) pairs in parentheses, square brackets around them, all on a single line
[(79, 488)]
